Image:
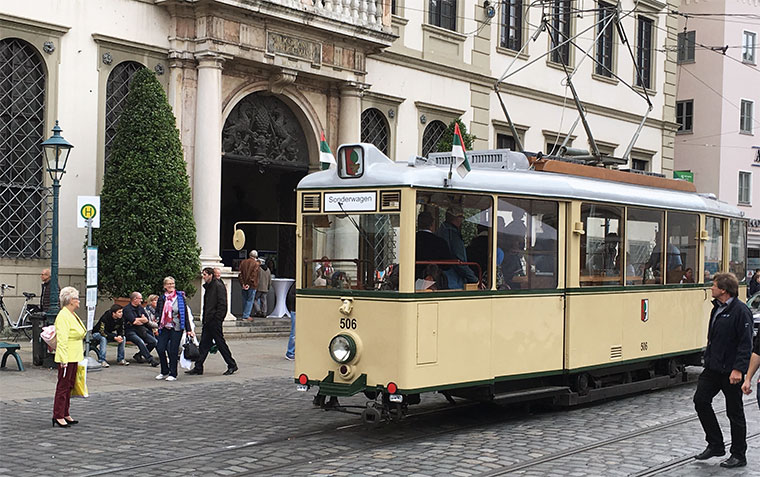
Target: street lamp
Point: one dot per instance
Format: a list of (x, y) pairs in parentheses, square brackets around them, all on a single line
[(57, 151)]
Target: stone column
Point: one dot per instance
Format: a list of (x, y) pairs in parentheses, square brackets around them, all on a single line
[(207, 170), (350, 116)]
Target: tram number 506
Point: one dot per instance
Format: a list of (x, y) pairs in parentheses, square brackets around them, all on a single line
[(348, 323), (644, 346)]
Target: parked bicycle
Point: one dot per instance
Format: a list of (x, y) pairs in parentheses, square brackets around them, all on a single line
[(24, 323)]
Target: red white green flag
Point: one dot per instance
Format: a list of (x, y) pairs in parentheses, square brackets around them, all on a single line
[(457, 150), (326, 158)]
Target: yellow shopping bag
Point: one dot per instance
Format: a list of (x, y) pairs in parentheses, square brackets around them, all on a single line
[(80, 384)]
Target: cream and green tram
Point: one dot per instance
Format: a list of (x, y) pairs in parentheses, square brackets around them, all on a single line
[(552, 282)]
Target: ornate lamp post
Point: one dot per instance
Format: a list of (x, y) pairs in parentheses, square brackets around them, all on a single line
[(57, 151)]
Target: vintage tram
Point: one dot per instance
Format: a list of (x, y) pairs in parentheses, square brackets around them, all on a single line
[(560, 278)]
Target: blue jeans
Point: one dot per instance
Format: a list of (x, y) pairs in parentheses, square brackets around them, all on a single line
[(168, 340), (143, 339), (291, 352), (248, 296), (102, 342)]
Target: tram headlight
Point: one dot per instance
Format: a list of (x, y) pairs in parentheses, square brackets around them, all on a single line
[(342, 348)]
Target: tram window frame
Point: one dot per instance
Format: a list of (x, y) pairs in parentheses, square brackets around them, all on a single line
[(608, 276), (640, 267), (346, 267), (477, 213), (684, 241), (737, 249), (538, 261), (712, 259)]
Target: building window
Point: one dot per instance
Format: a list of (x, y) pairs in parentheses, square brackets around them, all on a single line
[(511, 24), (504, 141), (375, 129), (748, 47), (117, 88), (443, 13), (560, 32), (745, 187), (24, 206), (393, 7), (605, 38), (644, 52), (686, 42), (745, 118), (685, 115), (433, 133), (639, 164)]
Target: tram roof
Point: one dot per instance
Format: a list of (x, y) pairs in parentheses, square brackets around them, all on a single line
[(380, 171)]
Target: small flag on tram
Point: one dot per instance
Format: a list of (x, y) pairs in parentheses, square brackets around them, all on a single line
[(326, 158), (457, 150)]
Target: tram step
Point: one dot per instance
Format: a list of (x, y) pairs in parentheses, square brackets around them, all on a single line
[(659, 382), (530, 394)]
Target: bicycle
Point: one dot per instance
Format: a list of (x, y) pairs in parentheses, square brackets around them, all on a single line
[(23, 324)]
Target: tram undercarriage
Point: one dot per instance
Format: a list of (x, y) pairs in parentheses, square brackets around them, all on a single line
[(564, 390)]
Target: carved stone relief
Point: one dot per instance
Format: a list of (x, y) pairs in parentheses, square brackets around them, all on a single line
[(261, 128)]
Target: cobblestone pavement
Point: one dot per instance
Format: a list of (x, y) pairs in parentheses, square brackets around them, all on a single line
[(263, 426)]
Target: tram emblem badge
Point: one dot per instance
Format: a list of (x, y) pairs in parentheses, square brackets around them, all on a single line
[(645, 309)]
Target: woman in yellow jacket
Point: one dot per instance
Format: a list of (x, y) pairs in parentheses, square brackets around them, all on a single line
[(69, 332)]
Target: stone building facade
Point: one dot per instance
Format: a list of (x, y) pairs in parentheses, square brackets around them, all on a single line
[(253, 83)]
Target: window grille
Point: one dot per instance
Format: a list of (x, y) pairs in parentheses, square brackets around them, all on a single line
[(117, 89), (560, 32), (644, 52), (375, 129), (443, 13), (604, 43), (433, 133), (25, 208), (686, 42), (511, 24)]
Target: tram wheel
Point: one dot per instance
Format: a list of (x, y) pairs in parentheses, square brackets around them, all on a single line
[(319, 400), (581, 383), (673, 368), (371, 416)]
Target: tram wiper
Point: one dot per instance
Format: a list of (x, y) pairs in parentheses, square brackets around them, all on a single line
[(357, 226)]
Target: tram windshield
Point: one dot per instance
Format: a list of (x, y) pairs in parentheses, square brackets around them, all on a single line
[(356, 251)]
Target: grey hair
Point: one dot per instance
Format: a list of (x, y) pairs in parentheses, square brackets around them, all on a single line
[(67, 294), (134, 295), (254, 254), (170, 279)]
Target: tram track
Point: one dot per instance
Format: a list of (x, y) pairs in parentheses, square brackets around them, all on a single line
[(613, 440), (437, 410)]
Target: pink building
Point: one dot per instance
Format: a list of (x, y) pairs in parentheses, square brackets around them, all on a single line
[(718, 138)]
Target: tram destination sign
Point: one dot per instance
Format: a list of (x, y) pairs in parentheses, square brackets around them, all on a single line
[(350, 201)]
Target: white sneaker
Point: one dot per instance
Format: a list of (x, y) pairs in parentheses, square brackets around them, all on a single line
[(105, 364), (161, 376), (171, 378)]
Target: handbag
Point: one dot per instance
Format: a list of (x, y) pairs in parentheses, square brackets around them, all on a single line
[(49, 337), (80, 383), (191, 351)]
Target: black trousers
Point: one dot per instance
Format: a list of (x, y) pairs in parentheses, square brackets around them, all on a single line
[(212, 333), (709, 384)]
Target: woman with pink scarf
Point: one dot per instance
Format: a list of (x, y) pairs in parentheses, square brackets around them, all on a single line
[(173, 319)]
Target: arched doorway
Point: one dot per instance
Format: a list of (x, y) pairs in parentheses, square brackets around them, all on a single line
[(265, 154)]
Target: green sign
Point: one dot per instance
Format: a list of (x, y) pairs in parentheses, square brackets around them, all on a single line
[(684, 175)]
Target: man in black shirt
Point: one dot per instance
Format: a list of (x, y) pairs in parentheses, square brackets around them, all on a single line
[(110, 327), (727, 356), (135, 319)]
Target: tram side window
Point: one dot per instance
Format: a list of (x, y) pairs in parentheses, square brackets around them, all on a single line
[(737, 240), (643, 255), (356, 251), (713, 248), (453, 228), (601, 260), (681, 252), (526, 253)]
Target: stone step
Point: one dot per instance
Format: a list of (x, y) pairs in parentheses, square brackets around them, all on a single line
[(259, 328)]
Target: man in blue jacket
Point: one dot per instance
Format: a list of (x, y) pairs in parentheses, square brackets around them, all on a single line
[(729, 345)]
